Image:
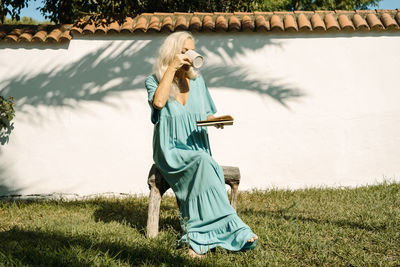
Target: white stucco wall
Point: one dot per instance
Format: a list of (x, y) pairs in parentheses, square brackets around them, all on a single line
[(310, 110)]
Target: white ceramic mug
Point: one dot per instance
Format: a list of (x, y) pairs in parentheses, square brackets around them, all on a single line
[(196, 58)]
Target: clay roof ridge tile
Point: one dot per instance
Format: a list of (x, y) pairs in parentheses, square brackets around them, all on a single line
[(127, 25), (345, 23), (360, 23), (374, 23), (208, 23), (26, 36), (234, 24), (220, 22), (40, 36), (261, 24), (303, 23), (181, 23), (13, 35), (89, 28), (247, 23), (276, 23), (331, 22), (3, 34), (65, 37), (167, 24), (114, 27), (317, 23), (53, 36), (154, 24), (101, 27), (283, 21), (202, 14), (141, 24), (290, 23), (195, 23), (397, 18), (389, 22)]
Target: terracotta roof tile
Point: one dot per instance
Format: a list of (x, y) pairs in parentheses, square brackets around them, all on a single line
[(181, 24), (304, 23), (331, 22), (262, 24), (53, 36), (374, 22), (114, 28), (220, 23), (13, 35), (317, 23), (247, 23), (40, 36), (101, 27), (195, 24), (360, 23), (65, 37), (89, 28), (345, 23), (167, 24), (389, 22), (127, 26), (2, 34), (234, 24), (141, 24), (208, 24), (290, 23), (26, 36), (278, 21), (154, 24)]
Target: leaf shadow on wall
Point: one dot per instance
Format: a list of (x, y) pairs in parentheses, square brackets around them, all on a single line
[(122, 65), (234, 65)]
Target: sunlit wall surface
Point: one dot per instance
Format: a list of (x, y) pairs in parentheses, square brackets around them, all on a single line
[(310, 110)]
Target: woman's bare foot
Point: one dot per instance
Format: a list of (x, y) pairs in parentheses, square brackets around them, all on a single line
[(254, 238), (193, 254)]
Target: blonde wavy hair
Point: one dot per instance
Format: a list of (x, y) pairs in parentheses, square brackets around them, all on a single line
[(171, 46)]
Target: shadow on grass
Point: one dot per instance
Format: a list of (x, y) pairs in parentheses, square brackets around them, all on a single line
[(135, 214), (288, 215), (38, 248)]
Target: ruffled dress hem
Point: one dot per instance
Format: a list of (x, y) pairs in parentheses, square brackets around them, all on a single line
[(232, 235)]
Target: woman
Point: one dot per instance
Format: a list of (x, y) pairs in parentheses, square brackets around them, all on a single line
[(178, 97)]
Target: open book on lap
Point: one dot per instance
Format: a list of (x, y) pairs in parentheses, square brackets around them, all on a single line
[(225, 120)]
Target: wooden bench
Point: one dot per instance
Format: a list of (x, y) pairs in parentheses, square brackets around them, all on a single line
[(158, 186)]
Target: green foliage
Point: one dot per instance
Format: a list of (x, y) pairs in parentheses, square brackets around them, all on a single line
[(62, 11), (7, 112), (26, 20), (290, 5)]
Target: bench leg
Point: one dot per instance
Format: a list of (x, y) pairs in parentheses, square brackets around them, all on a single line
[(154, 212), (234, 195)]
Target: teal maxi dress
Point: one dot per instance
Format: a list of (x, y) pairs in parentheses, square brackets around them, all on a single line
[(181, 151)]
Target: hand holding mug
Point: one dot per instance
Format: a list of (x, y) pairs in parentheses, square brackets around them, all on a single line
[(180, 60), (196, 58)]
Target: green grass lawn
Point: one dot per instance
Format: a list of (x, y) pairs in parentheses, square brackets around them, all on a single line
[(331, 227)]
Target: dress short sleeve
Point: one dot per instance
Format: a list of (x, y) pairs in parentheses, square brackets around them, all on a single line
[(151, 86), (209, 103)]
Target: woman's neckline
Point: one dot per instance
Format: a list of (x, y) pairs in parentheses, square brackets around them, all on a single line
[(187, 100)]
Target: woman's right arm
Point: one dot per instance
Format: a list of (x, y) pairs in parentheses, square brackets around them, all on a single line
[(162, 92)]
